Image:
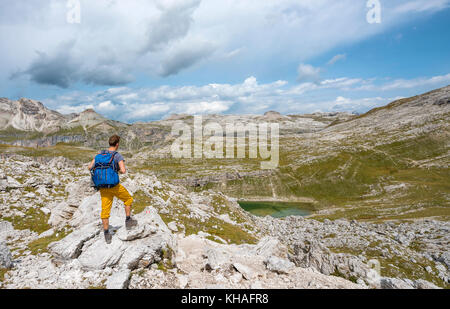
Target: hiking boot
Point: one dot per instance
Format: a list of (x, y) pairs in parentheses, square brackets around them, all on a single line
[(130, 223), (108, 237)]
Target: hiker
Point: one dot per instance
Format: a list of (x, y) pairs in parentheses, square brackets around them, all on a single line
[(104, 170)]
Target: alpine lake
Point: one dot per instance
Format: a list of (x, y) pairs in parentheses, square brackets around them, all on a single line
[(277, 209)]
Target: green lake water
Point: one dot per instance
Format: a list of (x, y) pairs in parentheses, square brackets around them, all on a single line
[(276, 209)]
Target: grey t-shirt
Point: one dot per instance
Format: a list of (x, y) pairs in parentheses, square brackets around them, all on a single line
[(117, 158)]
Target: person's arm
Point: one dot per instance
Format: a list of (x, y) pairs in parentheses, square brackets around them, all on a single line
[(91, 166), (122, 168)]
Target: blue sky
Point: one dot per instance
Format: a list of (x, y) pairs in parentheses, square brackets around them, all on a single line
[(142, 60)]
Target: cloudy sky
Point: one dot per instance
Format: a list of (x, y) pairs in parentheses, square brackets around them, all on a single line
[(140, 60)]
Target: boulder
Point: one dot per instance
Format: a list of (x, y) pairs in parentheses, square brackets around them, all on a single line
[(5, 229), (70, 246), (395, 283), (445, 259), (148, 242), (97, 254), (61, 214), (119, 280), (11, 183), (425, 285), (310, 253), (279, 265), (269, 246), (245, 270), (5, 256), (173, 226), (216, 258)]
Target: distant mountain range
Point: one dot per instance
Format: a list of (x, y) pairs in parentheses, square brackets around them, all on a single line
[(30, 115), (29, 123)]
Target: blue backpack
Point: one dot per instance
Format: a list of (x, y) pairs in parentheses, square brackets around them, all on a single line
[(104, 174)]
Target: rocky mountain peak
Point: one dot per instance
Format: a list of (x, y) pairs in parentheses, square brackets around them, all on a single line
[(273, 115), (31, 107), (28, 115), (173, 117), (89, 111), (87, 118)]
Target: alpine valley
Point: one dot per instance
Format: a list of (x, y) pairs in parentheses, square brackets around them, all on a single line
[(376, 188)]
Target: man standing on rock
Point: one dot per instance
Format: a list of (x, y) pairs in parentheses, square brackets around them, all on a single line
[(104, 169)]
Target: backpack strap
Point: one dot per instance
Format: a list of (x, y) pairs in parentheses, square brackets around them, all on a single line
[(115, 166), (112, 157)]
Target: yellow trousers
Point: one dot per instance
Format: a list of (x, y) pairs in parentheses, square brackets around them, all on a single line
[(108, 195)]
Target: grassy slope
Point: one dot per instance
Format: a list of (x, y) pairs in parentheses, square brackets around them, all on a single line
[(75, 153), (350, 180), (353, 180)]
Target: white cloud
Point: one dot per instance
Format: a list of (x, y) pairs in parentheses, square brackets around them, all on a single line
[(207, 107), (399, 84), (307, 72), (248, 97), (106, 106), (417, 82), (422, 6), (359, 105), (337, 58), (69, 109), (118, 41), (144, 111)]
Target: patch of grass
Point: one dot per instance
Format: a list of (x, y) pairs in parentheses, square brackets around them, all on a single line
[(69, 152), (332, 235), (417, 148), (99, 287), (40, 245), (33, 220), (166, 262), (3, 271), (140, 201), (337, 273), (69, 131), (11, 135)]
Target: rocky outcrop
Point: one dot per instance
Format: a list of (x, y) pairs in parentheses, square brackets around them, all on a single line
[(310, 253), (395, 284), (279, 265), (28, 115), (9, 183), (274, 116), (356, 250), (119, 280), (145, 243), (5, 256), (202, 263)]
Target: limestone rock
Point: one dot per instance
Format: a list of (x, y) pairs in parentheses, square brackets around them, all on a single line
[(5, 256), (5, 229), (70, 246), (425, 285), (173, 226), (394, 283), (245, 270), (445, 259), (216, 258), (279, 265), (147, 241), (119, 280)]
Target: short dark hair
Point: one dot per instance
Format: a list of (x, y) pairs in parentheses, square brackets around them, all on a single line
[(114, 140)]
